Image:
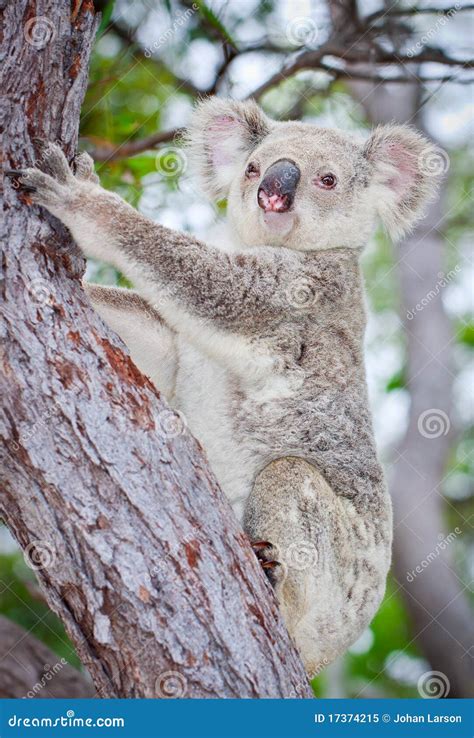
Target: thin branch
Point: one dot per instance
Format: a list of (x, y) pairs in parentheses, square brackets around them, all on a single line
[(110, 151), (29, 669), (402, 12), (345, 74), (127, 36), (313, 59), (216, 31)]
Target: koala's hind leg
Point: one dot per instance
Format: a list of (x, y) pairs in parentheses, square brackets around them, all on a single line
[(332, 562), (150, 340)]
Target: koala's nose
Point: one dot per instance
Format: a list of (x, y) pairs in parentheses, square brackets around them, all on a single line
[(278, 186)]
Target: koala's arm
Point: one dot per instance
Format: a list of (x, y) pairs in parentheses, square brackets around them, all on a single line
[(189, 278), (152, 344)]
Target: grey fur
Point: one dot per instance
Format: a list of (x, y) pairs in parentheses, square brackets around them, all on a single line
[(264, 343)]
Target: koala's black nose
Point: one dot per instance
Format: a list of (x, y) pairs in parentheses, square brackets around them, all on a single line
[(278, 186)]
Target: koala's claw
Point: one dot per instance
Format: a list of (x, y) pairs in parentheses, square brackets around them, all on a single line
[(14, 173), (268, 565), (17, 184), (260, 545), (270, 569)]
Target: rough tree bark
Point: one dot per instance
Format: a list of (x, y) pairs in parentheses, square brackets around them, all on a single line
[(29, 669), (134, 545)]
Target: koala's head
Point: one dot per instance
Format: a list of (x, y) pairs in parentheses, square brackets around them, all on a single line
[(304, 187)]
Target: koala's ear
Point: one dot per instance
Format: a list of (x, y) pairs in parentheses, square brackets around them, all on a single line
[(219, 138), (406, 170)]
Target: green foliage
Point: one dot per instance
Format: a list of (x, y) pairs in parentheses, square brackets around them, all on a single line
[(465, 334), (21, 601), (106, 17), (367, 672), (397, 381), (214, 24)]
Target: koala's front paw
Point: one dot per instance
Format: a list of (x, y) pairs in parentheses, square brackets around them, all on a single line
[(56, 187), (264, 552)]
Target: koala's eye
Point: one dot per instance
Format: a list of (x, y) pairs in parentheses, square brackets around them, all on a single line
[(252, 171), (326, 182)]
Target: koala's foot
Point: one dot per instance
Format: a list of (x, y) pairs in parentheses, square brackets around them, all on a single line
[(54, 184), (263, 551)]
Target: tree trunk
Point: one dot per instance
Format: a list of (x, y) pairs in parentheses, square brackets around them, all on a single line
[(134, 545), (29, 669)]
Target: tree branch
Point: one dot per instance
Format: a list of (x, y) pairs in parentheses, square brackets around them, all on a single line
[(314, 60), (29, 669), (408, 12), (111, 151), (127, 35), (351, 41)]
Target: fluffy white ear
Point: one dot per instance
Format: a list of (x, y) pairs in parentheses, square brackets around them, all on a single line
[(219, 138), (406, 170)]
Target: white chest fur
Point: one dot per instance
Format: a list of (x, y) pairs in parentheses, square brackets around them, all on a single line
[(203, 394)]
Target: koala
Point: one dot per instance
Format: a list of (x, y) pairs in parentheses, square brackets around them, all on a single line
[(259, 341)]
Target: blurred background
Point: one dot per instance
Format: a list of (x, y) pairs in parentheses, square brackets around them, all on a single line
[(350, 65)]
